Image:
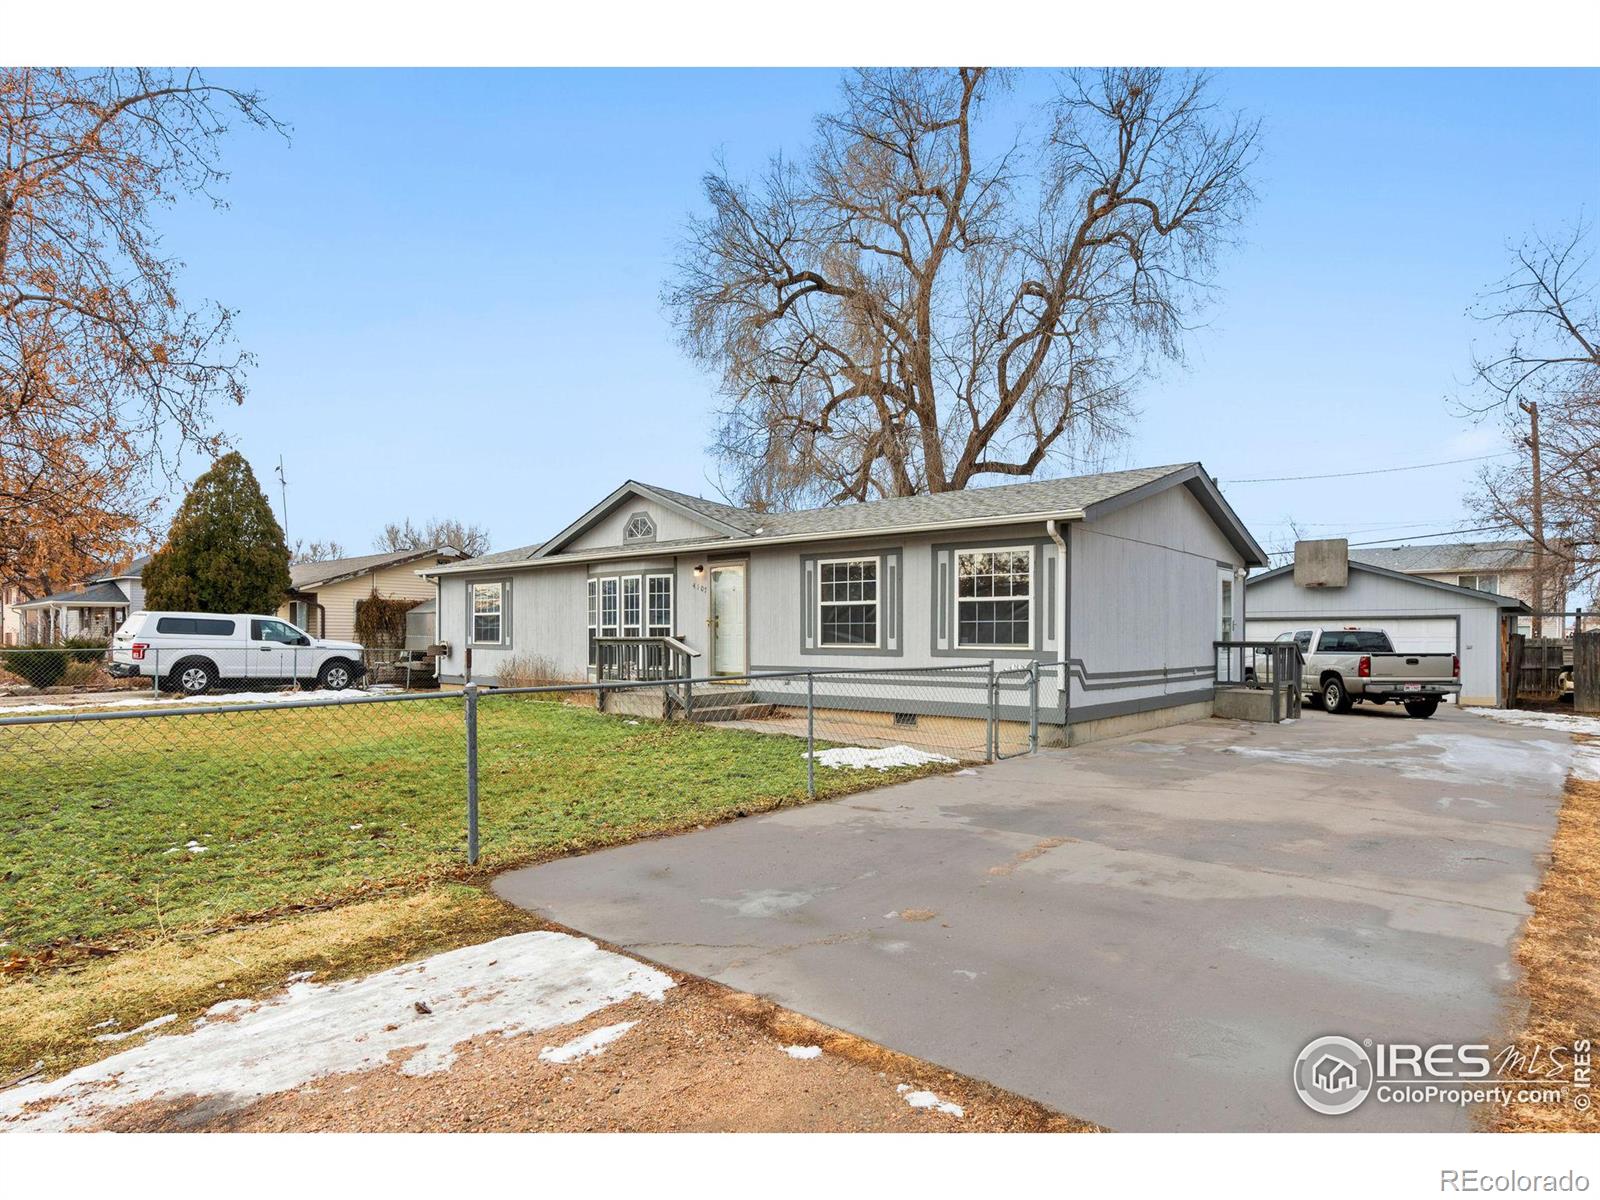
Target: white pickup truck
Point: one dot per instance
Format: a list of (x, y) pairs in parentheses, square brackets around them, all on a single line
[(192, 652), (1361, 666)]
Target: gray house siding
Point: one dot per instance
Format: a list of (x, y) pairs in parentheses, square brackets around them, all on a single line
[(1370, 598), (1145, 588), (670, 525)]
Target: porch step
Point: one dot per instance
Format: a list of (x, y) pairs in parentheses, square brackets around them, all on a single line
[(723, 697), (751, 711)]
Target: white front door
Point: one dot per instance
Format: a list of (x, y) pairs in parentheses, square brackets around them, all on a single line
[(1225, 590), (728, 647)]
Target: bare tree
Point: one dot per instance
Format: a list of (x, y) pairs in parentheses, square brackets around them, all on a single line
[(471, 540), (309, 552), (907, 311), (105, 375), (1542, 380)]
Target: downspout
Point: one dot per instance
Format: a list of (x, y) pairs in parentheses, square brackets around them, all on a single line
[(1063, 652)]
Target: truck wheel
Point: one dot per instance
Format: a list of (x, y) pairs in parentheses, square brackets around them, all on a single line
[(192, 677), (336, 676), (1421, 709), (1334, 698)]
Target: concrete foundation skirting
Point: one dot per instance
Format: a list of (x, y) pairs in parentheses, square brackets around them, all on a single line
[(1137, 722)]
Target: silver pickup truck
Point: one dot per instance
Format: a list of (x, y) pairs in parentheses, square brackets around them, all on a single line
[(1355, 666)]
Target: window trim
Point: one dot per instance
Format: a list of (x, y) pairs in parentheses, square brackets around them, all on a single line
[(877, 601), (629, 539), (615, 581), (637, 625), (594, 617), (502, 612), (956, 597), (672, 604)]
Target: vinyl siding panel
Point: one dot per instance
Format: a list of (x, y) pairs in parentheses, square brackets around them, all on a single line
[(671, 525), (339, 599)]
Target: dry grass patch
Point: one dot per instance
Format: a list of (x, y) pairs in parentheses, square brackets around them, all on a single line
[(49, 1017), (1559, 956)]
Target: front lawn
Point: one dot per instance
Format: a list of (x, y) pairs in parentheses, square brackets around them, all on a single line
[(155, 825)]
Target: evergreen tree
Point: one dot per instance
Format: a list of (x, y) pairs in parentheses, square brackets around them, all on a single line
[(225, 551)]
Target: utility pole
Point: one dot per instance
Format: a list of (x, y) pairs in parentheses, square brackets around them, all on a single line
[(1537, 504), (284, 493)]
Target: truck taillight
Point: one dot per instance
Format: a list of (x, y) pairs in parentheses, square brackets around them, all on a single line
[(1365, 668), (138, 649), (1455, 666)]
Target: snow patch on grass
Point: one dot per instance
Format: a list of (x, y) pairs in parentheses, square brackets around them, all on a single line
[(929, 1100), (803, 1051), (518, 984), (884, 758), (147, 701), (145, 1028), (587, 1045)]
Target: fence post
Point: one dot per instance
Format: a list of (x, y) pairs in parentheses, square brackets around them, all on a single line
[(994, 699), (471, 693), (1033, 708), (811, 736), (155, 673)]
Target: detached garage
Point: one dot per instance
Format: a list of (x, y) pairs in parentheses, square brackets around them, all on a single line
[(1419, 615)]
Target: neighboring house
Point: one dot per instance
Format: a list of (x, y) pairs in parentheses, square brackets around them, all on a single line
[(93, 610), (10, 615), (1126, 577), (1504, 568), (1418, 613), (323, 595)]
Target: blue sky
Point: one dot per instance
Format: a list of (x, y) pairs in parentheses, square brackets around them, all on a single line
[(451, 282)]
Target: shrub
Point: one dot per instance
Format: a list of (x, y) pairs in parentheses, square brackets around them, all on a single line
[(529, 670), (39, 667), (381, 621)]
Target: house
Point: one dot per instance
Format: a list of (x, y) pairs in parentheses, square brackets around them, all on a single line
[(1504, 568), (1418, 613), (92, 610), (323, 595), (1120, 580), (1333, 1074)]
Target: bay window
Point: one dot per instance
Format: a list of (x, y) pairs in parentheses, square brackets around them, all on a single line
[(658, 605), (631, 619)]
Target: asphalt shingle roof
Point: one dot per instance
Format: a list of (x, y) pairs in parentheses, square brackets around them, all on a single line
[(102, 593), (1451, 556), (309, 574)]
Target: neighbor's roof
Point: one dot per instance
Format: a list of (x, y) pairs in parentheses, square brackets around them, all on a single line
[(334, 570), (1074, 498), (1390, 573), (103, 594), (133, 570), (1470, 557)]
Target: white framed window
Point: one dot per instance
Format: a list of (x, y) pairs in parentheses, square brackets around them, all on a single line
[(994, 597), (608, 607), (300, 614), (658, 605), (593, 614), (1483, 583), (847, 602), (632, 606), (488, 614)]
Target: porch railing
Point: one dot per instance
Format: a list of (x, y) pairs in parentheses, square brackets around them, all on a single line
[(1278, 666), (644, 659)]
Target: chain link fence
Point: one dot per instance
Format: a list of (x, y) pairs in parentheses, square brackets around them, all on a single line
[(139, 815)]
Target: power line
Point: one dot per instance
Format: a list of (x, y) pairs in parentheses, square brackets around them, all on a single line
[(1448, 462), (1412, 537)]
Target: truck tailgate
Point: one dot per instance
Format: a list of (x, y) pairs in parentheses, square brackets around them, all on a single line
[(1412, 668)]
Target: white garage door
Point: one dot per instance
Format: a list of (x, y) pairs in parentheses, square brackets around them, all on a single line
[(1410, 635)]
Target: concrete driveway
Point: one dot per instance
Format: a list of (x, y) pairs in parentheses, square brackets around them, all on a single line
[(1142, 932)]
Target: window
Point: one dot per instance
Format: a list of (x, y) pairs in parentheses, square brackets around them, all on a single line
[(640, 528), (658, 605), (195, 625), (592, 616), (608, 607), (847, 602), (488, 614), (1483, 583), (274, 631), (994, 597), (1357, 641), (300, 614), (631, 620)]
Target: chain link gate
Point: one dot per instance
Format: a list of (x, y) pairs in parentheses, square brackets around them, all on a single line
[(1013, 711)]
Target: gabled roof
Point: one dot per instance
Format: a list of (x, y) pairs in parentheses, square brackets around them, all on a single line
[(1080, 497), (103, 594), (133, 570), (1417, 580), (335, 570), (1466, 557)]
